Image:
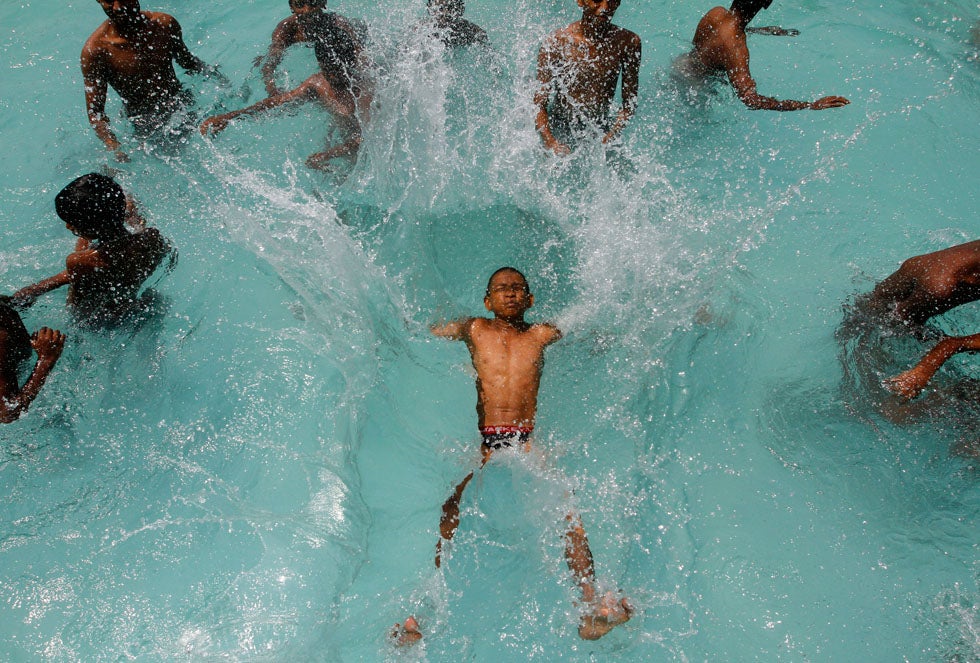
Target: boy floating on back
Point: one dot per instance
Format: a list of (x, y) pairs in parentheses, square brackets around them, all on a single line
[(508, 355)]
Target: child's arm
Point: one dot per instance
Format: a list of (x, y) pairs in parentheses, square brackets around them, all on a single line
[(773, 30), (25, 297), (217, 123), (48, 343), (910, 383), (457, 330), (134, 219)]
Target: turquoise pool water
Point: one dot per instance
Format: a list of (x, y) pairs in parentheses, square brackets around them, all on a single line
[(256, 473)]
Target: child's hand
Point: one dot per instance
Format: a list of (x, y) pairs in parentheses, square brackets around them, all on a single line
[(48, 343), (908, 384)]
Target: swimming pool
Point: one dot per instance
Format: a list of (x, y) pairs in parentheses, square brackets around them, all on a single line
[(256, 473)]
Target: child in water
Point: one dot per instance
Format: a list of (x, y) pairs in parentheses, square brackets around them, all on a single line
[(110, 261)]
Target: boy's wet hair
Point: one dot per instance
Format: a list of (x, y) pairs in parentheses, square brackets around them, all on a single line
[(508, 269), (18, 341), (750, 5), (94, 205), (450, 4), (335, 49)]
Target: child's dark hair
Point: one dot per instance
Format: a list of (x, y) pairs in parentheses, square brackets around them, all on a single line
[(507, 269), (94, 205), (335, 49)]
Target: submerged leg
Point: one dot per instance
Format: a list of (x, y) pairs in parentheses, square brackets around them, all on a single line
[(450, 517), (602, 614)]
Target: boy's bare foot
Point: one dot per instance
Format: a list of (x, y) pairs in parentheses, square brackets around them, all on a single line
[(407, 633), (606, 614)]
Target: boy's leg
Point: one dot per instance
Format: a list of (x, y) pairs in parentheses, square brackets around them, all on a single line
[(602, 615), (450, 517)]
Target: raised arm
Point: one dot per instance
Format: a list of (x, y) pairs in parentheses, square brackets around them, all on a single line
[(911, 383), (96, 89), (546, 58), (48, 343), (630, 86), (737, 68), (457, 330)]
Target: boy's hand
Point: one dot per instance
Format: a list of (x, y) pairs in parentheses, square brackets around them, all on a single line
[(908, 384), (214, 124), (828, 102), (48, 343), (20, 302), (774, 30)]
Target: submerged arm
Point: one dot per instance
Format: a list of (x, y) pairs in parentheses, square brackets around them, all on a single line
[(190, 62), (182, 55), (281, 40), (774, 30), (911, 383)]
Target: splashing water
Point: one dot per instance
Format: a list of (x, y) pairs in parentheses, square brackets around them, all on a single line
[(256, 472)]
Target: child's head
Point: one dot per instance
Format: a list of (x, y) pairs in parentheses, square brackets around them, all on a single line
[(450, 10), (508, 295), (750, 7), (94, 206), (15, 342), (335, 49), (302, 6)]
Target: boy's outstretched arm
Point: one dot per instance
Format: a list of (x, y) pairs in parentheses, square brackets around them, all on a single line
[(457, 330), (25, 296), (48, 343), (305, 92), (737, 68), (911, 383), (773, 30)]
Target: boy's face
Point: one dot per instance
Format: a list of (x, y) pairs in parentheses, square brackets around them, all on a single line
[(447, 10), (120, 10), (508, 295), (600, 9), (300, 7)]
